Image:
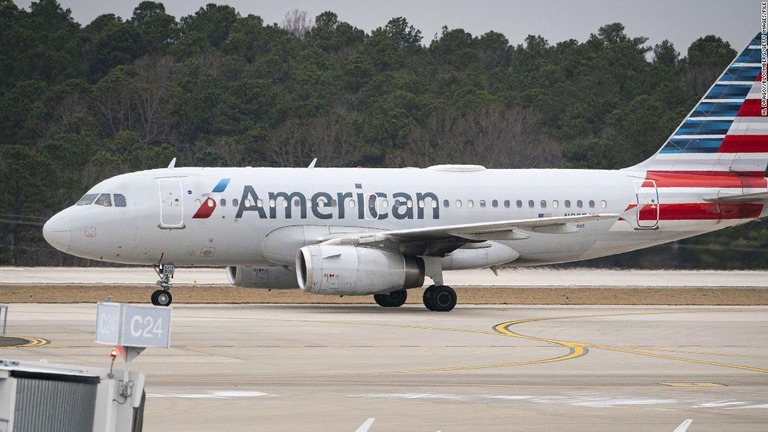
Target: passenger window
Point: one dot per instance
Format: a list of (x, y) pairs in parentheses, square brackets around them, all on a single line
[(446, 203), (384, 203), (458, 203), (234, 202), (120, 200), (104, 200), (494, 203), (567, 203), (555, 204), (482, 203), (272, 202), (507, 204), (409, 204), (470, 203), (530, 203), (591, 204), (579, 204), (519, 204), (351, 204), (543, 204), (604, 204), (421, 204), (222, 201)]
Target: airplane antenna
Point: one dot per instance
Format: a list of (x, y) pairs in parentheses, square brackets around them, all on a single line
[(172, 164), (312, 164)]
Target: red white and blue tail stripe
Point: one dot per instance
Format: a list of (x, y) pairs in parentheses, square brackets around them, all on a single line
[(727, 131), (713, 166)]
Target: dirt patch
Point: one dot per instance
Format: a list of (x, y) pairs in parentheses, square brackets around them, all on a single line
[(467, 295)]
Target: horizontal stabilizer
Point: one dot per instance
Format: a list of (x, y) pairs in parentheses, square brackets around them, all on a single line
[(739, 199)]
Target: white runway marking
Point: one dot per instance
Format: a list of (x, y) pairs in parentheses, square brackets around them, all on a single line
[(228, 394), (366, 425), (684, 426), (721, 404), (591, 400), (586, 400)]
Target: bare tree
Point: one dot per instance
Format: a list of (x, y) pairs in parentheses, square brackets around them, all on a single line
[(328, 138), (113, 98), (152, 97), (297, 23), (494, 136)]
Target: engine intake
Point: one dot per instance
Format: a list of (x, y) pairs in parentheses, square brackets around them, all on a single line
[(353, 270)]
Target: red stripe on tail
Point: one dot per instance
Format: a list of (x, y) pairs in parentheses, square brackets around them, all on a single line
[(750, 108), (700, 211), (705, 179), (744, 144)]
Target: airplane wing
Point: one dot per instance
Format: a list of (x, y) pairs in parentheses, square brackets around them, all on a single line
[(444, 239)]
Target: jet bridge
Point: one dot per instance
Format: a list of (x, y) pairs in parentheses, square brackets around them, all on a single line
[(39, 397)]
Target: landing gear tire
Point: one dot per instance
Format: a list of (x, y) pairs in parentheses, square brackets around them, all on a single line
[(440, 298), (162, 298), (393, 299)]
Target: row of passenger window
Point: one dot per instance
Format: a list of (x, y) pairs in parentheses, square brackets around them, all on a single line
[(532, 204), (384, 203), (104, 200)]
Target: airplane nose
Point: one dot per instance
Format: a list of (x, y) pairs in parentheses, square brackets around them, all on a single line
[(58, 232)]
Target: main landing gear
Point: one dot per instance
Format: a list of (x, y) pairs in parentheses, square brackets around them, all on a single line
[(393, 299), (439, 298), (163, 297)]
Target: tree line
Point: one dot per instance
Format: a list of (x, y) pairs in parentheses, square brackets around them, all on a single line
[(80, 103)]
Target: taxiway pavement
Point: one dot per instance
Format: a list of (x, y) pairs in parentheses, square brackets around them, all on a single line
[(477, 368), (510, 277)]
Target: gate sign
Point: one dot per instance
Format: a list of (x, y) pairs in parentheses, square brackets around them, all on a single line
[(108, 323), (146, 326), (133, 326)]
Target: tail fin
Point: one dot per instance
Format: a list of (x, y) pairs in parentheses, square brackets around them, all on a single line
[(727, 131)]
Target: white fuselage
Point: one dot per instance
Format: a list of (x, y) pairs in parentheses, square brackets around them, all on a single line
[(252, 223)]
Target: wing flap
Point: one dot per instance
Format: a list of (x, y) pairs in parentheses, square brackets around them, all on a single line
[(456, 235)]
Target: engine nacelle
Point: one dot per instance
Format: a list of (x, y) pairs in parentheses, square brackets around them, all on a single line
[(352, 270), (267, 277)]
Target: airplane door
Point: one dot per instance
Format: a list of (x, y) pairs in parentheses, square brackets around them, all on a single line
[(171, 203), (648, 197)]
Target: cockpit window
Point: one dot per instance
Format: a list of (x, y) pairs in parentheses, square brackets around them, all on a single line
[(120, 200), (87, 199), (104, 200)]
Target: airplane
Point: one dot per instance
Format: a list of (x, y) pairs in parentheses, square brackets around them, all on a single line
[(382, 231)]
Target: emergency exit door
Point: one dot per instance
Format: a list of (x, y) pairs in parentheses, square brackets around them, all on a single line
[(648, 200), (171, 203)]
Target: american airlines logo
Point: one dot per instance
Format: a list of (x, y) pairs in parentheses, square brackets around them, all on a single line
[(209, 203), (339, 205)]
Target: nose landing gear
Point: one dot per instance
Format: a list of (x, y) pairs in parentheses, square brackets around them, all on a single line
[(163, 297)]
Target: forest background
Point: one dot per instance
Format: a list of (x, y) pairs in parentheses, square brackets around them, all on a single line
[(79, 104)]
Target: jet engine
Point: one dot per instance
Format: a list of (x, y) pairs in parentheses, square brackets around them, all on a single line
[(267, 277), (353, 270)]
